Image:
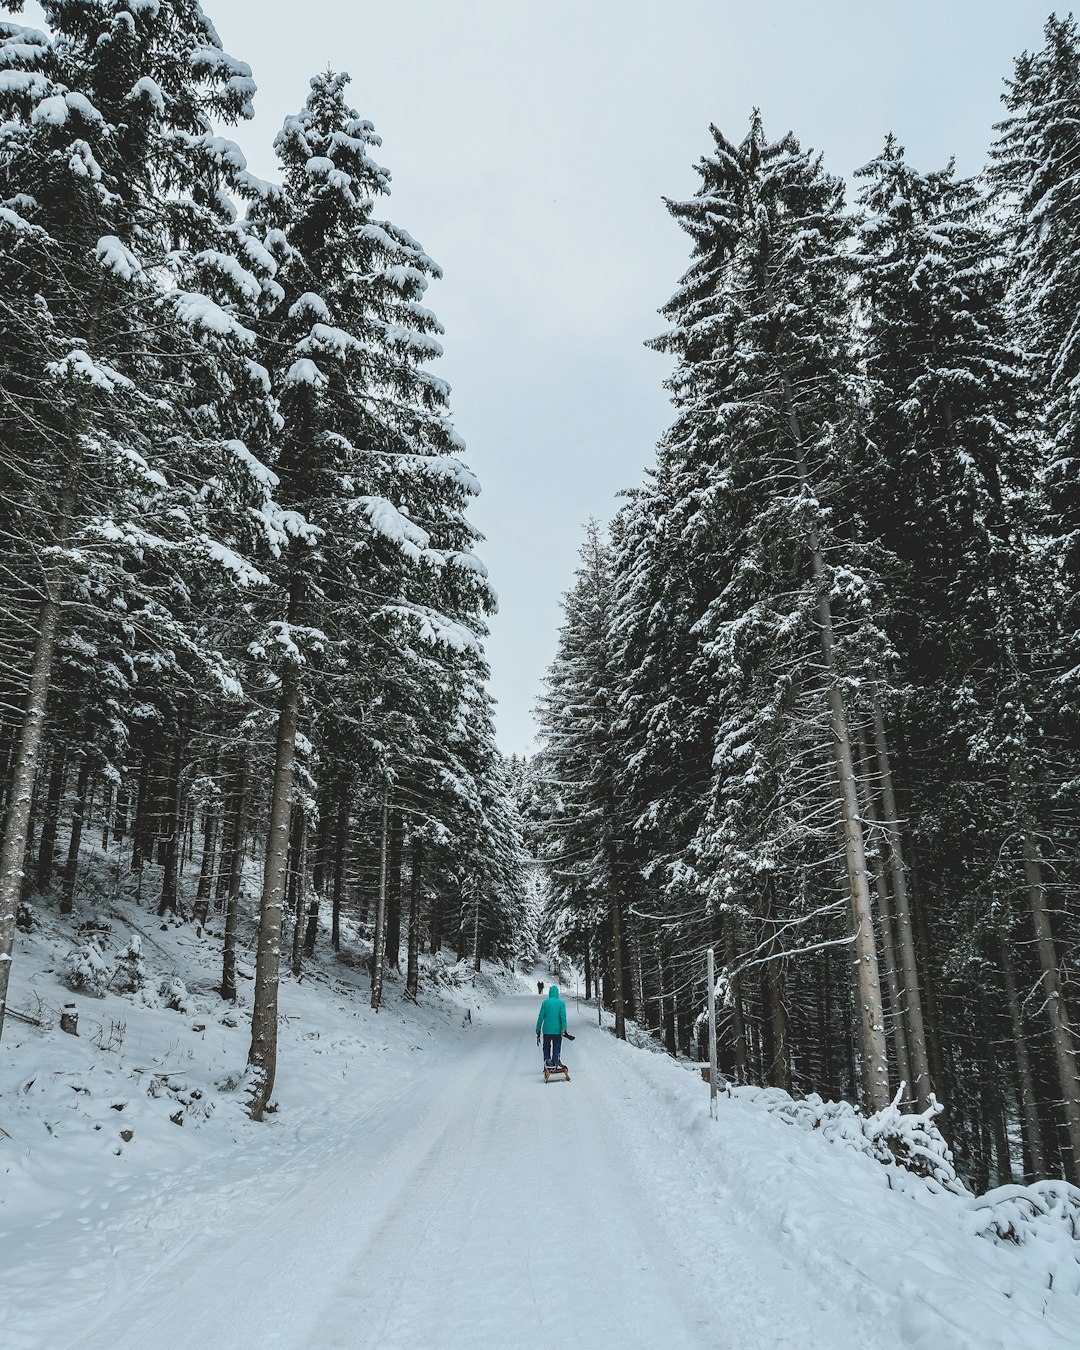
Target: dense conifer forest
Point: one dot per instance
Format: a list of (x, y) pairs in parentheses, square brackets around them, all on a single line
[(815, 703), (243, 614)]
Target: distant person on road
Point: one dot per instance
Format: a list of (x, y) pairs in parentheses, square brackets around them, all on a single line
[(552, 1023), (540, 988)]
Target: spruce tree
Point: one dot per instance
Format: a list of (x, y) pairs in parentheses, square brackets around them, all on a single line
[(115, 211)]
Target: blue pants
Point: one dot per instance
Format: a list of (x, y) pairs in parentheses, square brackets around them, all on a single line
[(552, 1048)]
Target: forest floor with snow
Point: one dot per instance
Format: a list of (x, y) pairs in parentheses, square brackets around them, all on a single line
[(421, 1186)]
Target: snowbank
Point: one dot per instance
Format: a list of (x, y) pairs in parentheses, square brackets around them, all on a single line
[(908, 1252), (116, 1141)]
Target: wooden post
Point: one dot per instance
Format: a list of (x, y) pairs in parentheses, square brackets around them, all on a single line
[(712, 1034)]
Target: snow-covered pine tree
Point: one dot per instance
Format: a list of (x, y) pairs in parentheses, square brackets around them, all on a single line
[(766, 416), (113, 184), (367, 457), (579, 764), (1034, 169), (952, 457)]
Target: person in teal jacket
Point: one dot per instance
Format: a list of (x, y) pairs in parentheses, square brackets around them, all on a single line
[(551, 1021)]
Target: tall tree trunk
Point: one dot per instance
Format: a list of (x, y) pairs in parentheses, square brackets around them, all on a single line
[(588, 973), (262, 1056), (476, 931), (884, 900), (779, 1072), (1029, 1107), (436, 922), (993, 1095), (340, 835), (1057, 1012), (297, 886), (667, 994), (393, 890), (379, 938), (875, 1062), (78, 815), (639, 983), (824, 1028), (931, 1015), (121, 803), (209, 851), (170, 896), (140, 833), (913, 1012), (50, 819), (235, 871), (13, 847), (412, 972), (207, 863), (616, 962), (738, 1021), (311, 932), (629, 995)]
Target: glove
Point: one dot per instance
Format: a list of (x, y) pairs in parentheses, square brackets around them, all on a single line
[(537, 1038)]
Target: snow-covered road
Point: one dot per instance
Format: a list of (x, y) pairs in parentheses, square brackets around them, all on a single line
[(475, 1206)]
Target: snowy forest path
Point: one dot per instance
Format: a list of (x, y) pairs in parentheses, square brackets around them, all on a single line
[(478, 1206)]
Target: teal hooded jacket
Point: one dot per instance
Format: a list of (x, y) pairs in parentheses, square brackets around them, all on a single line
[(552, 1017)]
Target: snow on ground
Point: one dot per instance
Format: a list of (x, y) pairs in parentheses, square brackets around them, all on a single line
[(421, 1186)]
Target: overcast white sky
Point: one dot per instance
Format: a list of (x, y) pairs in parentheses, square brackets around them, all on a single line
[(530, 143)]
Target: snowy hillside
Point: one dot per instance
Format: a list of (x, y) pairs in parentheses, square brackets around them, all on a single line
[(420, 1186)]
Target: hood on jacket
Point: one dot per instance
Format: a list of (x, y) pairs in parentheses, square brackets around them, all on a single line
[(553, 991)]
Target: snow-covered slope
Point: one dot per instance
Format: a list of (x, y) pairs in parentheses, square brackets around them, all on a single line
[(420, 1186)]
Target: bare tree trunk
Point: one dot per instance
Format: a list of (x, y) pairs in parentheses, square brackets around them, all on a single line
[(476, 932), (311, 932), (881, 890), (140, 835), (639, 981), (824, 1028), (780, 1066), (238, 797), (920, 1064), (209, 851), (588, 973), (262, 1056), (1029, 1109), (412, 973), (78, 815), (393, 891), (738, 1022), (107, 806), (297, 886), (667, 995), (121, 804), (1057, 1013), (436, 923), (926, 984), (993, 1097), (340, 836), (616, 962), (875, 1062), (13, 847), (170, 897), (50, 819), (379, 937)]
